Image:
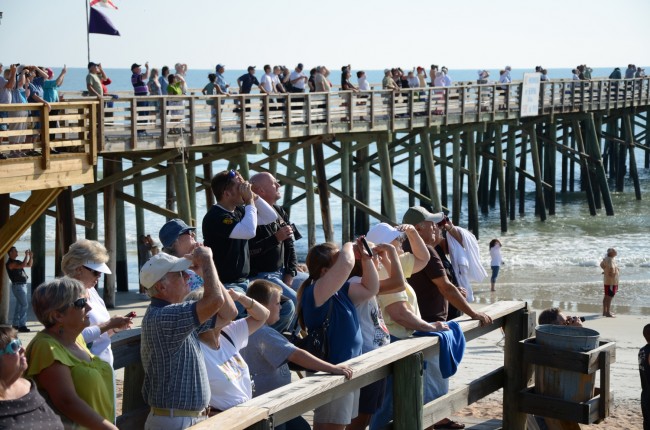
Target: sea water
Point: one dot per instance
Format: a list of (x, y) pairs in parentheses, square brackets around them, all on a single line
[(551, 263)]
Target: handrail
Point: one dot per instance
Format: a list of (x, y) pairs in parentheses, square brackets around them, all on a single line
[(155, 122), (299, 397)]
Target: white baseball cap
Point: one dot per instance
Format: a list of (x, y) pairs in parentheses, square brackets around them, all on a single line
[(159, 265)]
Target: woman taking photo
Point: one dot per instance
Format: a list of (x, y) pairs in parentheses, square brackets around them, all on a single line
[(21, 405), (86, 261), (78, 384), (327, 291)]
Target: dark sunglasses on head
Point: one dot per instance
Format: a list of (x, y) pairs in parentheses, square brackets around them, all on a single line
[(93, 271), (80, 302), (12, 347)]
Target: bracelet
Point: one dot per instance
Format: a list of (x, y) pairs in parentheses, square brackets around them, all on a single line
[(252, 303)]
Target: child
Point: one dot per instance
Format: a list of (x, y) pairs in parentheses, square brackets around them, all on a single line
[(211, 90), (268, 351)]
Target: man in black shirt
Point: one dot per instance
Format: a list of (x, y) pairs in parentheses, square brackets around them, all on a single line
[(272, 254), (229, 225), (18, 277)]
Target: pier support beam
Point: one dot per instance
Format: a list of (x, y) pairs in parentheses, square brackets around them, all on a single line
[(66, 232), (323, 192), (498, 164), (309, 196), (110, 236), (539, 189), (426, 152), (586, 180), (472, 194), (593, 136), (386, 177), (629, 139)]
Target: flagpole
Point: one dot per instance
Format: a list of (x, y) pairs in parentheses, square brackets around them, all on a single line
[(87, 29)]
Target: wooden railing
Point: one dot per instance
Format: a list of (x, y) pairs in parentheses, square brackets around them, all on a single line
[(281, 405), (155, 122)]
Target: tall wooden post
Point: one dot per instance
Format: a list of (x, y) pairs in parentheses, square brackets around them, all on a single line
[(457, 189), (430, 168), (191, 186), (472, 192), (182, 193), (361, 218), (207, 175), (516, 329), (37, 243), (110, 236), (323, 192), (565, 157), (288, 188), (5, 283), (521, 182), (511, 161), (90, 211), (386, 176), (309, 196), (411, 169), (537, 170), (273, 163), (577, 132), (346, 162), (498, 151), (66, 233), (629, 139), (550, 168), (121, 264), (408, 392), (444, 200), (594, 151)]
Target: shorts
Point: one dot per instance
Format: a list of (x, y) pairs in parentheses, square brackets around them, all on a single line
[(339, 411), (372, 397), (611, 290)]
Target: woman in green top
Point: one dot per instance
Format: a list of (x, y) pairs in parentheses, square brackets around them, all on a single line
[(78, 384)]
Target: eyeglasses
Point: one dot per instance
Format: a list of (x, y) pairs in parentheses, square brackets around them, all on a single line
[(93, 271), (80, 303), (12, 347), (189, 233)]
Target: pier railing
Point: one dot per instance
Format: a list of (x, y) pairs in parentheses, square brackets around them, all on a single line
[(402, 359), (154, 122)]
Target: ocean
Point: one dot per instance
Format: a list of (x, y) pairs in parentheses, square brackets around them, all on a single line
[(551, 263)]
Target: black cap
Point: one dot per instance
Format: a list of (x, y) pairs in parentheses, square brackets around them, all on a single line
[(135, 65), (300, 66), (91, 64)]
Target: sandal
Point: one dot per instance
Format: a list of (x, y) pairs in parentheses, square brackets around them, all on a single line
[(450, 424)]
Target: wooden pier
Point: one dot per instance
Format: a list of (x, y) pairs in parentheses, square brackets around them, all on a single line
[(470, 139)]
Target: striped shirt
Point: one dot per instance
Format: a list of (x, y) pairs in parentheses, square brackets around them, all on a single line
[(175, 376), (139, 86)]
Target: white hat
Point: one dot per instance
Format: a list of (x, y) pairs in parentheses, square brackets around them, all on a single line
[(159, 265), (96, 265), (382, 233)]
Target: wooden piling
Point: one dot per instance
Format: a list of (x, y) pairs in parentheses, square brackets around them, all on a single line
[(457, 188), (426, 153), (586, 180), (39, 252), (511, 169), (110, 236), (593, 136), (121, 264), (521, 182), (516, 329), (182, 193), (207, 176), (66, 233), (323, 192), (408, 392), (444, 200), (629, 134), (362, 179), (386, 176), (346, 162), (90, 211), (309, 196), (498, 164), (539, 189), (191, 186), (550, 195), (288, 188), (472, 196)]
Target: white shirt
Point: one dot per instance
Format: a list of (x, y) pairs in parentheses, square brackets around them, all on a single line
[(228, 374), (495, 254), (101, 342), (300, 83), (267, 83), (414, 82), (363, 84), (261, 213)]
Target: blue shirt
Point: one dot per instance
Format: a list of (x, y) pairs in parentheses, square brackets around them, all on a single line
[(174, 370), (163, 84), (50, 91), (221, 83), (344, 332), (247, 81)]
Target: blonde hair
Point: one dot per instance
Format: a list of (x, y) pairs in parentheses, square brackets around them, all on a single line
[(81, 251), (55, 296)]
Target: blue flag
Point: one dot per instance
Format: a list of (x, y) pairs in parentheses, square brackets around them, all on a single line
[(100, 24)]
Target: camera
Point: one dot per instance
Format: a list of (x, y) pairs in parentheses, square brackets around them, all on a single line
[(582, 319), (296, 233)]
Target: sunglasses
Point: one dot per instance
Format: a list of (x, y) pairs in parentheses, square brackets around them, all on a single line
[(12, 347), (80, 303), (94, 272)]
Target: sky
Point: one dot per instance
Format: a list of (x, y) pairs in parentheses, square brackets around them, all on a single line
[(462, 34)]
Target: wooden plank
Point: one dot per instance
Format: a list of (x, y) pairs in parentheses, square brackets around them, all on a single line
[(146, 205), (238, 418), (25, 216), (462, 397), (583, 362), (515, 373), (49, 212), (408, 392)]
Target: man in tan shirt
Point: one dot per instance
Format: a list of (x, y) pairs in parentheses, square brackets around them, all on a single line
[(610, 274)]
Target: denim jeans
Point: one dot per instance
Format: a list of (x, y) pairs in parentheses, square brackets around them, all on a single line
[(20, 309), (288, 309)]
